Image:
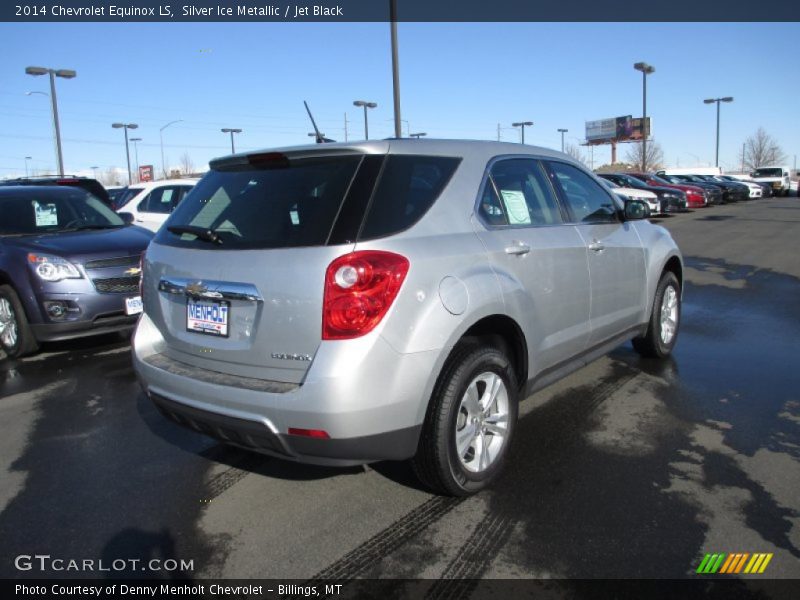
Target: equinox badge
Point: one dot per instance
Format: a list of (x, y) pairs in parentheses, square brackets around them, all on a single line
[(282, 356)]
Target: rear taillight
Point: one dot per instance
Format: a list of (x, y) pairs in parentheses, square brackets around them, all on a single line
[(359, 289)]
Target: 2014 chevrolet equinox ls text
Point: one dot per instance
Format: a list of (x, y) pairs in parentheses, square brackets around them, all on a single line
[(349, 303)]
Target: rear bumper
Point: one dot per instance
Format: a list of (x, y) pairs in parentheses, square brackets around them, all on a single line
[(256, 436), (368, 398)]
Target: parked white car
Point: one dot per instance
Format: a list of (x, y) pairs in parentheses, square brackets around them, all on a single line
[(152, 202), (629, 193), (756, 191)]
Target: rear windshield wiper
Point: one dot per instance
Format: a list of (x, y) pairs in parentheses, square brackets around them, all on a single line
[(201, 233)]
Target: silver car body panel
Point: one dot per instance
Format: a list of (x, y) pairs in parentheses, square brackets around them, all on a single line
[(566, 299)]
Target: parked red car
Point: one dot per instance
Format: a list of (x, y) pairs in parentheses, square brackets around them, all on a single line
[(695, 197)]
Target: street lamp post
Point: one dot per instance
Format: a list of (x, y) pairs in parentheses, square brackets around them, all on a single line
[(398, 132), (646, 70), (136, 155), (27, 158), (231, 131), (161, 135), (562, 131), (126, 126), (417, 135), (712, 101), (366, 105), (66, 74), (94, 171), (523, 124)]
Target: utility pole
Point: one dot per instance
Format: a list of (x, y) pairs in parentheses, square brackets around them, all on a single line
[(498, 132), (345, 127), (646, 70), (742, 159), (398, 130)]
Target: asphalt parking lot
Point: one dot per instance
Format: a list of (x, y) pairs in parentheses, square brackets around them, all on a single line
[(627, 468)]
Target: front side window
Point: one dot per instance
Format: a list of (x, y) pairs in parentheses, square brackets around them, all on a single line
[(518, 193), (588, 202)]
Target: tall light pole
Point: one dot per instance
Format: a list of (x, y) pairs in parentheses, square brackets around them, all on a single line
[(136, 155), (646, 70), (523, 124), (161, 135), (94, 171), (231, 131), (367, 105), (712, 101), (27, 158), (417, 135), (398, 132), (126, 126), (562, 131), (66, 74)]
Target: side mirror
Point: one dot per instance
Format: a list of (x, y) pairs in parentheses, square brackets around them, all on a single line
[(127, 217), (636, 210)]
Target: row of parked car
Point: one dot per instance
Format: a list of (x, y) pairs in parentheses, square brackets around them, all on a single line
[(111, 262), (667, 192)]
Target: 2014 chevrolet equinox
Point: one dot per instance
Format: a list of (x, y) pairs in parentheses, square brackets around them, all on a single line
[(348, 303)]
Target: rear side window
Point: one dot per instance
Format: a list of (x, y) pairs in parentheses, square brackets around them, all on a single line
[(408, 187)]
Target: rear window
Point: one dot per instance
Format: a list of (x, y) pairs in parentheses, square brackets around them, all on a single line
[(309, 202), (280, 205)]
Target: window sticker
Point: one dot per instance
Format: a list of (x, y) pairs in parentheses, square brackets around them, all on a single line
[(46, 215), (516, 207)]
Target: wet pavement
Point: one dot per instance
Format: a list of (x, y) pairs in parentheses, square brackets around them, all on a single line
[(627, 468)]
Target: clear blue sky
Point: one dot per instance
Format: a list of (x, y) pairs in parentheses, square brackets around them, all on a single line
[(457, 81)]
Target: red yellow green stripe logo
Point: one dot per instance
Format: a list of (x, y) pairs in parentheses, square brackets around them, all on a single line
[(734, 563)]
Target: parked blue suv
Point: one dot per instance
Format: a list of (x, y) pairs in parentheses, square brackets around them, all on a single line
[(69, 267)]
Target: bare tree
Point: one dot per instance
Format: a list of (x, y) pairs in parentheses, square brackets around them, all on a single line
[(761, 149), (575, 152), (110, 177), (654, 159), (187, 165)]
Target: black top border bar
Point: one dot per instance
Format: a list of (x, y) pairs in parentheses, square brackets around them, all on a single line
[(65, 11)]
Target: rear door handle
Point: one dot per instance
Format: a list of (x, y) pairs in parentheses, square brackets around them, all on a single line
[(518, 248), (596, 246)]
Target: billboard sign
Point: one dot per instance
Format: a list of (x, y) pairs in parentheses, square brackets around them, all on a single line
[(601, 130), (146, 173), (617, 129)]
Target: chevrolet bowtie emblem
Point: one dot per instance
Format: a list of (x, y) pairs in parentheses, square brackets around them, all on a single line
[(133, 271), (196, 288)]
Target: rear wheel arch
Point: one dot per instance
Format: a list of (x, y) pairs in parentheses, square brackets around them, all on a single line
[(504, 333)]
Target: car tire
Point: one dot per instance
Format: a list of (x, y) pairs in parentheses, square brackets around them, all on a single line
[(470, 422), (662, 330), (16, 336)]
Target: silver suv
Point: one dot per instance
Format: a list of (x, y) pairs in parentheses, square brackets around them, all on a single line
[(348, 303)]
